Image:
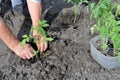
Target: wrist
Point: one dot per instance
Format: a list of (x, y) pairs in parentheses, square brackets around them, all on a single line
[(34, 33), (35, 22), (15, 46)]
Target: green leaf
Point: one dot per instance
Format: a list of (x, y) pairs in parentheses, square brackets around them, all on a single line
[(118, 10), (28, 39), (68, 1), (35, 40), (45, 25), (92, 5), (119, 57), (43, 21), (24, 36), (31, 30), (118, 23), (96, 12), (44, 40), (39, 21), (35, 53), (104, 46), (23, 43), (85, 1), (49, 39), (30, 36), (42, 31), (103, 6), (79, 3)]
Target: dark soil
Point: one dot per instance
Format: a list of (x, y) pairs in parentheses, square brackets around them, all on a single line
[(70, 57)]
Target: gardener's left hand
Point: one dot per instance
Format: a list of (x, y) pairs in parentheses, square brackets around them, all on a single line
[(42, 46)]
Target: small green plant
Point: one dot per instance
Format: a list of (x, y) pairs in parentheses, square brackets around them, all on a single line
[(40, 30), (76, 4), (106, 24)]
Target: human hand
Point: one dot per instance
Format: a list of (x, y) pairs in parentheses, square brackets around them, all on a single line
[(42, 46), (25, 52)]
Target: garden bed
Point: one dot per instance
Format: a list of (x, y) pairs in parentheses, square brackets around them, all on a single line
[(69, 57)]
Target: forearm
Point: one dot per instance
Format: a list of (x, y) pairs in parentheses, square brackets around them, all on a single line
[(35, 10), (7, 36)]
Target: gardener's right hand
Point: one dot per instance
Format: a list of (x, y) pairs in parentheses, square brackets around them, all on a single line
[(25, 52)]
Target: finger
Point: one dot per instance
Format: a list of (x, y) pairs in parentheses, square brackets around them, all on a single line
[(41, 47), (23, 57), (27, 51), (27, 55), (40, 43), (31, 52), (45, 46), (30, 55)]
